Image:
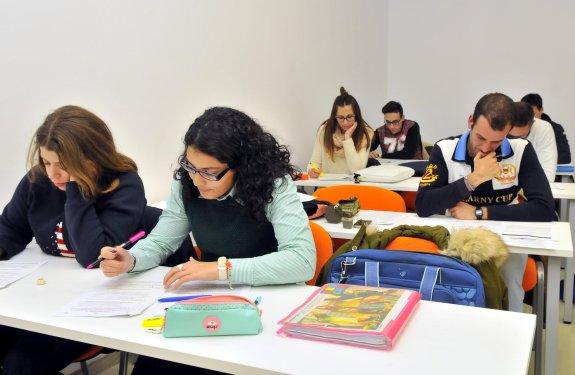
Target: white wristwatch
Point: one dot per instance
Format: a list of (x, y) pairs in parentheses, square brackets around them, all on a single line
[(222, 268)]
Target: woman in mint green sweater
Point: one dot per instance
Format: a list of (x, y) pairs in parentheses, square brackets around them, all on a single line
[(234, 193)]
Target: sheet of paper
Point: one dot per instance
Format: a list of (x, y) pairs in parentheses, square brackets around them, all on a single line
[(13, 270), (305, 198), (124, 295), (381, 217), (334, 177)]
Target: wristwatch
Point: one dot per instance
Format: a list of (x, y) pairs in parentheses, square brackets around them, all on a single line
[(222, 268), (479, 213)]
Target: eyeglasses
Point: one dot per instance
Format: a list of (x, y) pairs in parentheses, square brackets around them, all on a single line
[(206, 175), (394, 122), (348, 118)]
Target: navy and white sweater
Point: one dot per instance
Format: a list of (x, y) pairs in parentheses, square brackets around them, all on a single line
[(442, 185), (37, 208)]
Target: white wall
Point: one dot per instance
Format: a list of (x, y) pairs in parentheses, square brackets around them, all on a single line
[(148, 68), (445, 54)]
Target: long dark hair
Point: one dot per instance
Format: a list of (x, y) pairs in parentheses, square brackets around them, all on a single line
[(85, 147), (360, 133), (234, 138)]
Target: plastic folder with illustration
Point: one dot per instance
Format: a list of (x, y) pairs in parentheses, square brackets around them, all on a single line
[(356, 315)]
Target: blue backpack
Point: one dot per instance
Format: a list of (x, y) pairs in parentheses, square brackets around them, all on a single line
[(437, 277)]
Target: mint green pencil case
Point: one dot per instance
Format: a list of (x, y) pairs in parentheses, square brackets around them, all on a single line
[(219, 315)]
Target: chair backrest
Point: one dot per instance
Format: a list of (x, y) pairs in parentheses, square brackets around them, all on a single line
[(370, 197), (323, 248), (413, 244), (530, 275)]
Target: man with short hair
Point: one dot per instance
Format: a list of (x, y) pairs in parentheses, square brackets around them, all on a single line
[(478, 175), (540, 134), (563, 150)]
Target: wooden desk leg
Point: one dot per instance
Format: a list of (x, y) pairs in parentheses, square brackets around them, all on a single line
[(569, 272), (552, 317)]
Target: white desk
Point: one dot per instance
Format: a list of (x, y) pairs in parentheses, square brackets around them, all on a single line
[(439, 339), (564, 249), (560, 190)]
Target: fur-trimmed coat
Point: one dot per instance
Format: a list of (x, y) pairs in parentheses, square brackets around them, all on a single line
[(486, 252)]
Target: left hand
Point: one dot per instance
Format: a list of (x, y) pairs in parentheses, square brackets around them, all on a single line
[(463, 211), (191, 270), (349, 132)]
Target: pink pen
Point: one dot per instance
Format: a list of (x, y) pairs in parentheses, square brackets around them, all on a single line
[(130, 241)]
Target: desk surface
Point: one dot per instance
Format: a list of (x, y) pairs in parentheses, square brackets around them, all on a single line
[(562, 248), (560, 190), (438, 339)]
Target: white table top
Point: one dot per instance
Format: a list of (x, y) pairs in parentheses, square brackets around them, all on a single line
[(562, 248), (560, 190), (438, 339)]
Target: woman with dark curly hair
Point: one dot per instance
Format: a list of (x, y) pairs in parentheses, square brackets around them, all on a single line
[(343, 140), (234, 193)]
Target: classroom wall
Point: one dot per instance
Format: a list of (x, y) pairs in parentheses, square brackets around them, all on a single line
[(443, 55), (148, 68)]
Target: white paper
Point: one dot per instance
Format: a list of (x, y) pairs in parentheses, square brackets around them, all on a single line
[(334, 177), (305, 198), (13, 270), (381, 217), (124, 295)]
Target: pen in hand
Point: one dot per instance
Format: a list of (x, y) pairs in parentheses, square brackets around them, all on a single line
[(130, 241)]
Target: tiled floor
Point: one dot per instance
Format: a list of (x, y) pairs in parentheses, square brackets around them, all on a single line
[(108, 365)]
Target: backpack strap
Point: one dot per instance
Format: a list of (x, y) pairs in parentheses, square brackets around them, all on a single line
[(371, 273), (430, 275)]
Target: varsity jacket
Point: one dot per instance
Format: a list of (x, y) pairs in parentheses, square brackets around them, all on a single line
[(442, 185)]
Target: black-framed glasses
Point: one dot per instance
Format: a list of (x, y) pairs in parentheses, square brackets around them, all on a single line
[(204, 174), (394, 122), (348, 118)]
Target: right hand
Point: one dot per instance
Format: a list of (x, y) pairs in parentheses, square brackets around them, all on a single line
[(313, 173), (374, 154), (485, 167), (117, 261), (349, 132)]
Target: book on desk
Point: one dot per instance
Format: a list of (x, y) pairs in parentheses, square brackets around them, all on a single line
[(355, 315)]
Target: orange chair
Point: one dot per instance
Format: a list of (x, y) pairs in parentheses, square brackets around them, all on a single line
[(409, 198), (323, 248), (370, 197), (414, 244)]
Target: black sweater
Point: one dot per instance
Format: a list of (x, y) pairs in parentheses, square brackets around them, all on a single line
[(36, 209), (412, 145)]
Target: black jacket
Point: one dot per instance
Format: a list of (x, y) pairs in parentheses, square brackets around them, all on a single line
[(563, 150), (88, 225)]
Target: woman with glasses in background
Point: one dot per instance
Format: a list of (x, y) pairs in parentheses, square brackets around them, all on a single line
[(342, 141), (399, 138)]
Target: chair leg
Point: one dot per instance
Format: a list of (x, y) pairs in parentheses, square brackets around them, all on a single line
[(123, 370), (539, 309), (84, 367)]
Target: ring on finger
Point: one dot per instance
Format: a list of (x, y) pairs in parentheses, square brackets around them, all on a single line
[(180, 267)]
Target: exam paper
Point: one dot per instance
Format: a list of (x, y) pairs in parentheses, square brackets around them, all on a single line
[(124, 295), (334, 177), (13, 270)]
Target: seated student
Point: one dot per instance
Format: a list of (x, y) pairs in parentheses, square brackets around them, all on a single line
[(541, 136), (563, 150), (477, 176), (81, 194), (342, 141), (399, 138), (234, 193)]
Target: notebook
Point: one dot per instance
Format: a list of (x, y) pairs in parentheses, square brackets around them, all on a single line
[(355, 315)]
